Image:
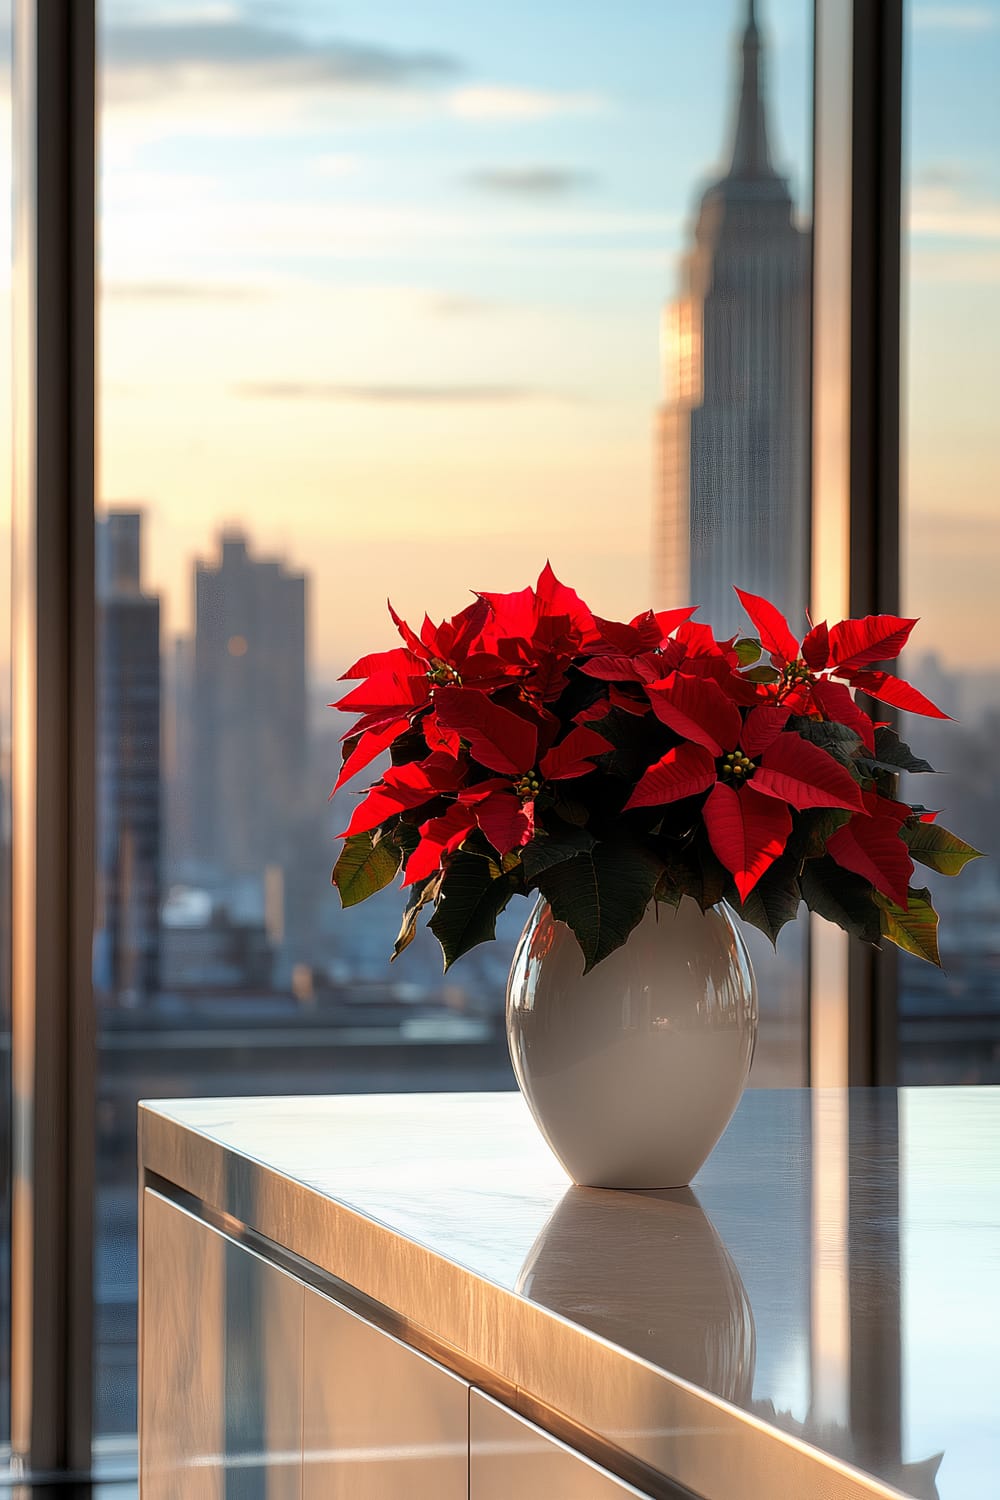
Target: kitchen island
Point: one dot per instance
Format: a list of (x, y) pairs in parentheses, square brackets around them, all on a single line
[(403, 1296)]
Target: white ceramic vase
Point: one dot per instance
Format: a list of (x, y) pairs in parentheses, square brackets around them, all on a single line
[(633, 1071)]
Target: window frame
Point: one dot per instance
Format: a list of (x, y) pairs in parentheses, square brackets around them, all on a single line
[(851, 1003), (52, 772)]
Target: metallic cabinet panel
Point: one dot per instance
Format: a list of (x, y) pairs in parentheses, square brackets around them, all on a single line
[(182, 1355), (511, 1457), (263, 1369), (381, 1421), (220, 1411)]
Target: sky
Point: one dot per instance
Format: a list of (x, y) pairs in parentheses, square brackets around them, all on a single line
[(383, 283), (951, 452), (423, 261)]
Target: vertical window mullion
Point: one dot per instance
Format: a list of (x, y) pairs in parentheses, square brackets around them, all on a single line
[(858, 133), (875, 427), (53, 737)]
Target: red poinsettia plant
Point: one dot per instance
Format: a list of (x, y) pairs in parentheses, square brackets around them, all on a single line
[(534, 746)]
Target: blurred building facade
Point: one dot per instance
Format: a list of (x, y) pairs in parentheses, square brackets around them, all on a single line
[(248, 697), (127, 935), (733, 431)]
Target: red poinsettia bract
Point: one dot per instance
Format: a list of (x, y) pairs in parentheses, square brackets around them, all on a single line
[(850, 650), (753, 769), (536, 746)]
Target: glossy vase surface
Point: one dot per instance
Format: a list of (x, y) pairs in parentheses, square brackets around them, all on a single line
[(633, 1071)]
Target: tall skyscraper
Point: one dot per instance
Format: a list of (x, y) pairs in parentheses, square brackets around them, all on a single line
[(733, 431), (127, 936), (249, 702)]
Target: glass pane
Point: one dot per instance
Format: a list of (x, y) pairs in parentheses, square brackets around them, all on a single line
[(6, 432), (950, 1018), (401, 301)]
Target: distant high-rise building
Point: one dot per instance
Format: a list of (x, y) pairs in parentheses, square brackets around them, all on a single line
[(178, 756), (127, 938), (734, 427), (249, 701)]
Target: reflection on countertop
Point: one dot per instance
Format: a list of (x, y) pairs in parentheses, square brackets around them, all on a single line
[(648, 1272), (833, 1275)]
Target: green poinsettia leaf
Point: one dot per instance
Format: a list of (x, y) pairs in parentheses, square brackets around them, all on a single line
[(692, 871), (570, 811), (364, 867), (934, 846), (473, 893), (680, 878), (601, 894), (628, 734), (546, 850), (837, 740), (421, 894), (893, 754), (478, 844), (406, 836), (762, 674), (408, 747), (715, 878), (913, 930), (869, 767), (842, 898), (748, 651), (814, 827), (667, 890), (774, 900)]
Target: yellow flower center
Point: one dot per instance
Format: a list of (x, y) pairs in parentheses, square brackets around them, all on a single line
[(796, 671), (444, 675), (736, 766)]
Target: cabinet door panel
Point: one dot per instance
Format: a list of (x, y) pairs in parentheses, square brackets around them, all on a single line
[(381, 1421), (221, 1365), (511, 1457)]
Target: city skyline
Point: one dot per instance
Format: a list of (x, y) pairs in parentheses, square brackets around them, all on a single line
[(388, 279)]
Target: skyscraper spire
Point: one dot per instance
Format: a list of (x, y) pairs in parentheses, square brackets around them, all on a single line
[(733, 429), (750, 154)]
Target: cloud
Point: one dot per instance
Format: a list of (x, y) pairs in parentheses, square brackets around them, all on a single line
[(945, 212), (181, 291), (954, 18), (493, 101), (221, 53), (228, 50), (530, 182), (388, 395), (956, 267), (455, 305), (936, 175)]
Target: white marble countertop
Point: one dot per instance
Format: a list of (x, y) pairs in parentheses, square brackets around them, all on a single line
[(818, 1315)]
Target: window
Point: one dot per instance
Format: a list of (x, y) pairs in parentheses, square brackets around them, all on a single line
[(950, 1018), (393, 302)]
